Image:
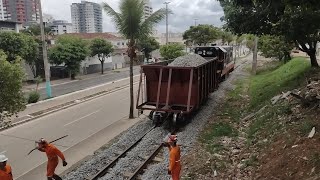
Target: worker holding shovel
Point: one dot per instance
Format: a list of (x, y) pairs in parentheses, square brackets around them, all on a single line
[(52, 153)]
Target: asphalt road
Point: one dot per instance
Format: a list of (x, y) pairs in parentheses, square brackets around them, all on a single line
[(69, 87), (89, 126)]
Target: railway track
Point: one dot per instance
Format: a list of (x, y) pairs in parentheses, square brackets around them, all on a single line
[(131, 176)]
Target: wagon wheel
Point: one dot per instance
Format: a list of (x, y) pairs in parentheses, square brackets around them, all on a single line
[(151, 115), (156, 119), (174, 122)]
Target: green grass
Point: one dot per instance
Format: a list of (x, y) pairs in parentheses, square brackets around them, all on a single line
[(306, 127), (215, 147), (269, 83), (268, 122), (221, 129)]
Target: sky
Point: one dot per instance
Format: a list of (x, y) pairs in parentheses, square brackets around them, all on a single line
[(184, 12)]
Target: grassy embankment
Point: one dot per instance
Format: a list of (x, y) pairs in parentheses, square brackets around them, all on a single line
[(238, 142)]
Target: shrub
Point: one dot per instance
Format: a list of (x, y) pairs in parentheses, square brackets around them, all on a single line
[(34, 97)]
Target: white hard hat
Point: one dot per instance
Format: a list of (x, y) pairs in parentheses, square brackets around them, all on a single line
[(3, 158)]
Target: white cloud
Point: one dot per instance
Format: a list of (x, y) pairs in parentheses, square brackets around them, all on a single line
[(184, 12)]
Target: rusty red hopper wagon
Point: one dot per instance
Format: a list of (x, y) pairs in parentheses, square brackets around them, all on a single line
[(171, 91)]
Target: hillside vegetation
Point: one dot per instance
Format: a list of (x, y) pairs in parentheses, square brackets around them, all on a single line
[(249, 137)]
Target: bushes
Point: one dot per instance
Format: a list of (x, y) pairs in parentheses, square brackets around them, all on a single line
[(34, 96)]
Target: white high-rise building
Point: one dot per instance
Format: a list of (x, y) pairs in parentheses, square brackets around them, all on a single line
[(147, 9), (61, 27), (86, 17)]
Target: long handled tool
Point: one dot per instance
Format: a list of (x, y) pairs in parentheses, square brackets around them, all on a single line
[(49, 143)]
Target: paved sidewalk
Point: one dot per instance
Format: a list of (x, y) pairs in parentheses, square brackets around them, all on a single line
[(29, 87)]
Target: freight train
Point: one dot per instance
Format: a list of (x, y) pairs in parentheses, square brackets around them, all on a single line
[(175, 92)]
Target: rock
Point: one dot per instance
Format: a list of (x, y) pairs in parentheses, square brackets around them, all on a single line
[(275, 99), (294, 146), (215, 174), (312, 132)]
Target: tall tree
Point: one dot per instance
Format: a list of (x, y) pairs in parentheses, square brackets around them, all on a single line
[(172, 51), (294, 20), (201, 34), (226, 37), (17, 44), (101, 48), (11, 96), (147, 45), (70, 51), (131, 24), (275, 47)]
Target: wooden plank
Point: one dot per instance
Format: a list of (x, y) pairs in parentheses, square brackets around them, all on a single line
[(168, 88), (140, 82), (190, 89), (159, 88)]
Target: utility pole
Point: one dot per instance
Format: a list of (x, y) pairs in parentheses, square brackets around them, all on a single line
[(44, 53), (167, 14), (195, 21), (255, 56)]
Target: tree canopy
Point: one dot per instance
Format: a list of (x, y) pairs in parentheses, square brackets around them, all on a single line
[(172, 51), (147, 45), (69, 51), (17, 44), (275, 47), (101, 48), (201, 34), (296, 21), (34, 30), (11, 95)]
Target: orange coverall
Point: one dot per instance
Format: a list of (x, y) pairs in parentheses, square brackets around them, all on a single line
[(6, 174), (53, 161), (174, 162)]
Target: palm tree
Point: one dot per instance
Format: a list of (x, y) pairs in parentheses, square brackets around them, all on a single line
[(131, 24)]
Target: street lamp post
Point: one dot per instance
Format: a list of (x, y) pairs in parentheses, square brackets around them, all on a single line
[(45, 55), (167, 13)]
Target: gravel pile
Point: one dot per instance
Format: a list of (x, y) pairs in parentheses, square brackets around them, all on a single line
[(104, 156), (190, 60), (189, 135)]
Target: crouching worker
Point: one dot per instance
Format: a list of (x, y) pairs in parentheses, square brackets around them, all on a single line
[(5, 169), (174, 157), (53, 161)]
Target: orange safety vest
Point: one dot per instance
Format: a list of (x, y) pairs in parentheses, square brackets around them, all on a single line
[(53, 161), (6, 174), (174, 162)]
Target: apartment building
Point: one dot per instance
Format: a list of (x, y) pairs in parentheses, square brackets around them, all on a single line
[(25, 12), (86, 17)]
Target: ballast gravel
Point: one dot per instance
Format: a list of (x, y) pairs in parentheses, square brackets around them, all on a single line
[(103, 157), (190, 60)]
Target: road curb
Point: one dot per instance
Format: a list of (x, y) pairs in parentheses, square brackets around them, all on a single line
[(65, 106)]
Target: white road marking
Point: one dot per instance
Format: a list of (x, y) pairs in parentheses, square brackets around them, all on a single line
[(82, 118)]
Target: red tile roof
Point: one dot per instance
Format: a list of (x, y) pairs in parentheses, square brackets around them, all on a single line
[(95, 35)]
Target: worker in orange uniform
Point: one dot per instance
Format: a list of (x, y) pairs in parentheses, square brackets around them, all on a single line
[(174, 157), (5, 169), (53, 161)]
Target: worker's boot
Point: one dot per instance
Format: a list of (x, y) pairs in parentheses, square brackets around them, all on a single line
[(56, 177)]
